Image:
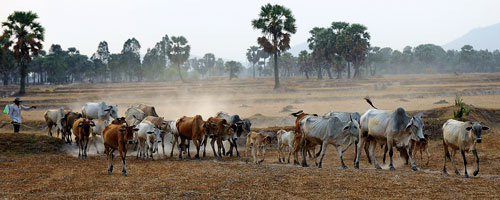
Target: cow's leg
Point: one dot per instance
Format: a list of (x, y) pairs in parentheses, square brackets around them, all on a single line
[(322, 152), (205, 146), (212, 143), (231, 146), (138, 152), (465, 163), (224, 149), (477, 162), (290, 150), (50, 129), (421, 158), (110, 159), (263, 153), (361, 144), (319, 152), (303, 148), (386, 148), (86, 144), (219, 147), (124, 160), (372, 154), (197, 145), (247, 148), (446, 155), (391, 153), (163, 145), (188, 149), (279, 152), (182, 148), (453, 161), (173, 145), (253, 154), (410, 157), (235, 140), (339, 149), (367, 152), (428, 155)]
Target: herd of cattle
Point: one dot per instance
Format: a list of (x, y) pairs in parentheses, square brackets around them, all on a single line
[(143, 127)]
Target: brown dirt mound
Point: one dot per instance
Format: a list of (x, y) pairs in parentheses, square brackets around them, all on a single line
[(21, 143)]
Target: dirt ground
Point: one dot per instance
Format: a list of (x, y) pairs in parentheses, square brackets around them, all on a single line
[(47, 173)]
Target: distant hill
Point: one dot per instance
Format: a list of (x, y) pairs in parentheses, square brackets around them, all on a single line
[(480, 38), (296, 49)]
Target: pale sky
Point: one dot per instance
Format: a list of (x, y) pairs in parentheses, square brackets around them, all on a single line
[(223, 27)]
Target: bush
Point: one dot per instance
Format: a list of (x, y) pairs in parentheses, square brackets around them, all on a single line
[(463, 109)]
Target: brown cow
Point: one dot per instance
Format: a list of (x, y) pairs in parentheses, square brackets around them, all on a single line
[(67, 124), (118, 137), (119, 121), (192, 128), (257, 141), (298, 136), (223, 131), (81, 130)]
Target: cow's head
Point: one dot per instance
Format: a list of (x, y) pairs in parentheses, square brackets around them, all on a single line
[(86, 125), (353, 127), (113, 111), (476, 128), (418, 125), (209, 128), (128, 132)]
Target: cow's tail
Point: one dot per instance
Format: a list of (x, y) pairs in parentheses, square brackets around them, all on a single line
[(369, 101), (296, 114)]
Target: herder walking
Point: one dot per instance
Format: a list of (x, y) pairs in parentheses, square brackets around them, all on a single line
[(14, 112)]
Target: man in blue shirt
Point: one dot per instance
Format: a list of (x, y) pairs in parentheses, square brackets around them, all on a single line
[(14, 112)]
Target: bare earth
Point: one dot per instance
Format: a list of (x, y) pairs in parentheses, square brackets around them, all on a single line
[(62, 175)]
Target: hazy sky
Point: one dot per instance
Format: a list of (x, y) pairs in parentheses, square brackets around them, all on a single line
[(223, 27)]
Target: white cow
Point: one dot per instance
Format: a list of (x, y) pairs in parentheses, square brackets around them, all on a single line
[(134, 116), (285, 139), (148, 137), (99, 111), (393, 128), (54, 117), (175, 134), (97, 133), (325, 131), (461, 136)]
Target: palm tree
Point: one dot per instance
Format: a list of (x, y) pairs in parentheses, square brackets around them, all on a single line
[(253, 57), (179, 53), (304, 63), (27, 36), (277, 24), (358, 43)]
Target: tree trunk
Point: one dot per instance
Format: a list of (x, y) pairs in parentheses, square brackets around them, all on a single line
[(307, 75), (253, 66), (348, 70), (329, 73), (339, 74), (180, 74), (276, 72), (5, 79), (320, 73), (22, 70), (230, 72)]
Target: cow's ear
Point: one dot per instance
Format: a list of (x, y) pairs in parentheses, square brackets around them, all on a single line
[(80, 124), (409, 123), (485, 128), (347, 126), (107, 109), (136, 129), (468, 128), (122, 130)]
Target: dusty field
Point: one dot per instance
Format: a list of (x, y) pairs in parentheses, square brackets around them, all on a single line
[(45, 173)]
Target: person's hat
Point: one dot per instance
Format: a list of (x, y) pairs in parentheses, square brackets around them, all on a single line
[(17, 99)]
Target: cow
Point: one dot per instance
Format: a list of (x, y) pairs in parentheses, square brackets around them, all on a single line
[(119, 121), (54, 117), (81, 129), (147, 136), (163, 126), (67, 124), (134, 116), (99, 111), (148, 110), (286, 139), (193, 128), (242, 126), (97, 133), (175, 135), (325, 131), (224, 131), (462, 136), (117, 137), (257, 141), (393, 128), (298, 135), (420, 146)]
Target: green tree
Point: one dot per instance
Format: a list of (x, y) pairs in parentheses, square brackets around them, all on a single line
[(276, 23), (101, 59), (208, 62), (357, 41), (27, 35), (253, 57), (179, 53), (233, 68), (129, 60), (304, 62), (56, 64), (219, 67)]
